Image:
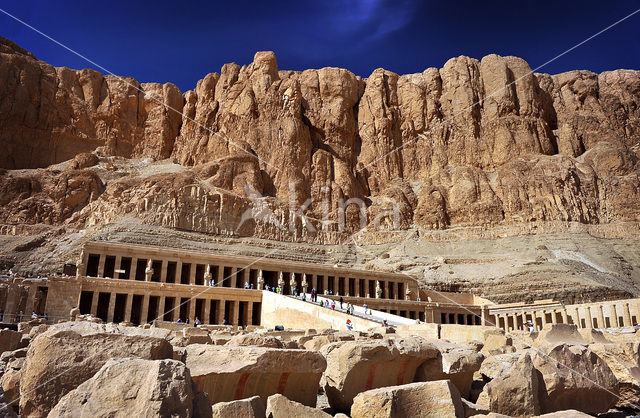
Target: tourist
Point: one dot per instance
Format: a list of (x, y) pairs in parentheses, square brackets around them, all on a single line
[(341, 300), (46, 317), (384, 323), (179, 320), (246, 285), (251, 286), (34, 315), (349, 325), (187, 321), (224, 321), (313, 295), (197, 322), (333, 305), (304, 297), (365, 308), (266, 288)]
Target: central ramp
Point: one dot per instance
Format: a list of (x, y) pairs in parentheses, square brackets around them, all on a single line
[(295, 313)]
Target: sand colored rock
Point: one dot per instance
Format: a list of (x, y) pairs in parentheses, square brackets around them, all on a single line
[(497, 344), (515, 393), (255, 340), (553, 334), (425, 399), (278, 406), (576, 378), (80, 357), (132, 387), (357, 366), (624, 361), (229, 373), (252, 407), (9, 340), (11, 386), (456, 363)]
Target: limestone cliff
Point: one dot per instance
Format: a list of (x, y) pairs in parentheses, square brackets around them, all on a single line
[(475, 143)]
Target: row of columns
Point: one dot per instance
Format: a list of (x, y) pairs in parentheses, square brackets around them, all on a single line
[(561, 315), (239, 276), (176, 308)]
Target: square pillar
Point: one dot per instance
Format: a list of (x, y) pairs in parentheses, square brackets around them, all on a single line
[(207, 310), (314, 282), (103, 257), (94, 303), (118, 266), (178, 279), (192, 310), (221, 316), (366, 288), (627, 315), (576, 318), (134, 268), (112, 305), (163, 271), (192, 273), (220, 277), (356, 286), (234, 277), (600, 313), (589, 320), (614, 316), (127, 309), (249, 318), (563, 312), (144, 311), (325, 282), (161, 308), (236, 312)]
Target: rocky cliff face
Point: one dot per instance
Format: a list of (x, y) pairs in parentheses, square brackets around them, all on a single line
[(475, 143)]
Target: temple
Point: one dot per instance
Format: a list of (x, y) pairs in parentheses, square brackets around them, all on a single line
[(138, 284)]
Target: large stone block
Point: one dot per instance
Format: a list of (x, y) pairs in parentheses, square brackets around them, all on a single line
[(252, 407), (464, 333), (279, 406), (357, 366), (229, 373), (424, 399), (132, 388), (57, 362), (9, 340)]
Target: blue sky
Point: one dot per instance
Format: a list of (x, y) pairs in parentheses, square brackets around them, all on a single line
[(181, 42)]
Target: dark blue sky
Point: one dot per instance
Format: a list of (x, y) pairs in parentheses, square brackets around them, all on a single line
[(181, 41)]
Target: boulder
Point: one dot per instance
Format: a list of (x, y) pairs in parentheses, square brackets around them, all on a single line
[(256, 340), (472, 409), (279, 406), (9, 339), (423, 399), (357, 366), (576, 378), (571, 413), (316, 343), (515, 393), (456, 363), (624, 361), (252, 407), (497, 344), (229, 373), (11, 386), (498, 365), (553, 334), (132, 388), (592, 335), (195, 335), (65, 359)]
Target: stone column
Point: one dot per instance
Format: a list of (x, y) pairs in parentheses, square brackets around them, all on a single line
[(554, 319), (206, 311), (236, 310), (163, 271), (234, 277), (483, 315), (103, 257), (314, 282), (614, 316), (161, 308), (192, 310), (127, 309), (524, 320), (144, 311), (178, 278), (220, 277), (221, 316), (134, 269), (112, 306), (249, 318), (627, 315), (94, 303), (589, 320), (366, 288), (600, 313), (356, 286), (192, 274), (544, 318), (118, 266), (325, 283), (576, 317), (563, 312)]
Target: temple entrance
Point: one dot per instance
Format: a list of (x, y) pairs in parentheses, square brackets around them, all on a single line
[(103, 305), (86, 298), (118, 312), (40, 300)]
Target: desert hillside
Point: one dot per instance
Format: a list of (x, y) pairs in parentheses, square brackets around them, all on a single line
[(479, 175)]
